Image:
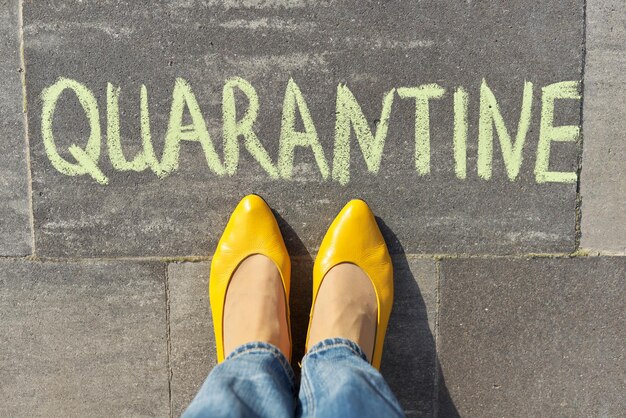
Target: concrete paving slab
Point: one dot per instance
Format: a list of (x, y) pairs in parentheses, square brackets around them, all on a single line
[(15, 227), (192, 342), (409, 359), (370, 47), (534, 337), (83, 339), (603, 170)]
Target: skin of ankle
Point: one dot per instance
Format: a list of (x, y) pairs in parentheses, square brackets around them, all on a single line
[(345, 307), (254, 309)]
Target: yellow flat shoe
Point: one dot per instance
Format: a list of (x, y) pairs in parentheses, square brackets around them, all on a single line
[(354, 237), (252, 229)]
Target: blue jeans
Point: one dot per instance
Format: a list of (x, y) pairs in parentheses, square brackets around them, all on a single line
[(256, 380)]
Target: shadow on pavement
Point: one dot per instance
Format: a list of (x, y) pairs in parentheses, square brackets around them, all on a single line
[(301, 290), (410, 359)]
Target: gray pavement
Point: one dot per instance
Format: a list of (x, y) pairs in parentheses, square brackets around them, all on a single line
[(15, 229), (83, 339), (547, 341), (318, 46), (603, 186), (508, 231)]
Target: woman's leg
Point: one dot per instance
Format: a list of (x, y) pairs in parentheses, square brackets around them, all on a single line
[(255, 380), (338, 381)]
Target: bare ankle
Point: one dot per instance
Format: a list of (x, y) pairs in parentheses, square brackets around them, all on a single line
[(346, 307), (255, 308)]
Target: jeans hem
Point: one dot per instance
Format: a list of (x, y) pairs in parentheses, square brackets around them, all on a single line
[(260, 347), (335, 342)]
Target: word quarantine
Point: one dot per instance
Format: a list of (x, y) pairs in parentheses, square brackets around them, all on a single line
[(350, 123)]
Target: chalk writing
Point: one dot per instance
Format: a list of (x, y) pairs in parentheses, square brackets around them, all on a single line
[(349, 113), (548, 132), (289, 138), (349, 119), (489, 116), (421, 95)]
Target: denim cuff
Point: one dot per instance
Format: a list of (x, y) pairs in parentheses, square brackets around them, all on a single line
[(333, 343), (260, 347)]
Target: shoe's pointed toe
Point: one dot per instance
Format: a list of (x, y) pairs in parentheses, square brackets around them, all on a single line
[(251, 229)]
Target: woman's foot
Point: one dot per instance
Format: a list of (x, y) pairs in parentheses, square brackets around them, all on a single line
[(345, 307), (255, 309)]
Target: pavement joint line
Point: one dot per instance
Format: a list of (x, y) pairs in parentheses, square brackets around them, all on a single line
[(431, 257), (168, 338), (436, 337), (595, 253), (581, 135), (29, 175)]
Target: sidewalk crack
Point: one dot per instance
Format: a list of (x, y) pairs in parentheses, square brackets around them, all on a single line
[(168, 336), (31, 214)]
